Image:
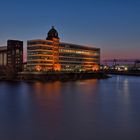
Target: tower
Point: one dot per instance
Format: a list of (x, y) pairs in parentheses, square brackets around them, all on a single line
[(53, 36), (15, 54)]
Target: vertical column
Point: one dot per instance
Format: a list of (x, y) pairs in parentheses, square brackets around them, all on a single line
[(0, 59), (5, 59), (56, 65)]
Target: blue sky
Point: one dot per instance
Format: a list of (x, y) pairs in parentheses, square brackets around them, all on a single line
[(112, 25)]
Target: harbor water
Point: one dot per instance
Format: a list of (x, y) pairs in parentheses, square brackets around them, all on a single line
[(76, 110)]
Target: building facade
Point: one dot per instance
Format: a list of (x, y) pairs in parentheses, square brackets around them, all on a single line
[(3, 56), (78, 58), (53, 55), (12, 55)]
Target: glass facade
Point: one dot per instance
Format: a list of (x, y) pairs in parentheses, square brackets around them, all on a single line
[(78, 58), (39, 55), (48, 55)]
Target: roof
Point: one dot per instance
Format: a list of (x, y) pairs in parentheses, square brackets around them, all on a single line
[(79, 46), (3, 48), (52, 34)]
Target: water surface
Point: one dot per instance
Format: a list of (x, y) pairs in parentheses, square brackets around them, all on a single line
[(76, 110)]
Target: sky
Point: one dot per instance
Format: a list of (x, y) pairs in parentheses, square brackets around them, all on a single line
[(111, 25)]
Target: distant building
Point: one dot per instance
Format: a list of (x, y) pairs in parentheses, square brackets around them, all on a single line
[(53, 55), (3, 56), (12, 55)]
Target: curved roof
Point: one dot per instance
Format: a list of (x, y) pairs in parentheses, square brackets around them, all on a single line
[(52, 34)]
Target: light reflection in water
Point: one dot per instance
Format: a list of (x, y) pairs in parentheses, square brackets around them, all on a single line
[(48, 102), (78, 110)]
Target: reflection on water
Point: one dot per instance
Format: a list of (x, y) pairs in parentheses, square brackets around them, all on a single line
[(80, 110)]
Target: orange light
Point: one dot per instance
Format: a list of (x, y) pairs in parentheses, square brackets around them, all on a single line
[(95, 68), (57, 67), (38, 68)]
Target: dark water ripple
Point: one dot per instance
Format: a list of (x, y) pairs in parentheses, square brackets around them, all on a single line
[(82, 110)]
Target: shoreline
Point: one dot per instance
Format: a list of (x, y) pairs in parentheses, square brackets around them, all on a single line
[(124, 73), (58, 76)]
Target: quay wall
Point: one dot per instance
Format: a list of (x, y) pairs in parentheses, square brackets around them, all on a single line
[(26, 76)]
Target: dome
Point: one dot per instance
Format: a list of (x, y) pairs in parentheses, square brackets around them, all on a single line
[(52, 34)]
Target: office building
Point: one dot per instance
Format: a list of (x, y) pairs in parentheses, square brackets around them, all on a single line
[(53, 55), (12, 55)]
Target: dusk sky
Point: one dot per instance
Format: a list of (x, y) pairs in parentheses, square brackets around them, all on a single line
[(112, 25)]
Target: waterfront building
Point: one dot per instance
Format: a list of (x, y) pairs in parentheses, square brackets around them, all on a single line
[(3, 56), (12, 55), (53, 55)]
